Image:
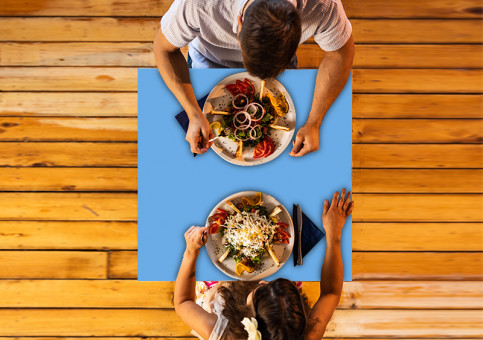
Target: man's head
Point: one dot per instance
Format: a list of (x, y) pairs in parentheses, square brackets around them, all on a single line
[(269, 36)]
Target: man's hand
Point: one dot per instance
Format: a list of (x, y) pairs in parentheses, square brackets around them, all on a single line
[(335, 214), (196, 238), (199, 134), (306, 141)]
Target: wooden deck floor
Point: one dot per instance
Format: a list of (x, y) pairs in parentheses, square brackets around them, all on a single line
[(68, 179)]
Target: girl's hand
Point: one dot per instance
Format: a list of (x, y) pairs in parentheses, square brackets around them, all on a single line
[(196, 238), (335, 214)]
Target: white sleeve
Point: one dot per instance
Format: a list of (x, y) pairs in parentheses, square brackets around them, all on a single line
[(335, 29), (180, 25)]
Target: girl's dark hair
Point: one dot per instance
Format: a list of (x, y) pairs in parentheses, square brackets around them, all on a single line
[(280, 309), (269, 37)]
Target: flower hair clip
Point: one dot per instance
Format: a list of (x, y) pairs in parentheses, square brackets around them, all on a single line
[(251, 326)]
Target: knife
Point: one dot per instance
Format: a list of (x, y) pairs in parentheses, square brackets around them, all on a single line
[(299, 241)]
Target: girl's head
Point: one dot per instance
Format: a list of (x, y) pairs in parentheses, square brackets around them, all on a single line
[(279, 308)]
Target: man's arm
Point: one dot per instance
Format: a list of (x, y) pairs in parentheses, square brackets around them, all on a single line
[(331, 277), (331, 78), (184, 290), (173, 68)]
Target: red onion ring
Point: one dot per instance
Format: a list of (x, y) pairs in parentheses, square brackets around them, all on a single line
[(237, 96), (252, 114), (244, 124), (254, 128)]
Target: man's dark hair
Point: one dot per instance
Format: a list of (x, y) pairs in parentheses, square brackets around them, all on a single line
[(269, 37)]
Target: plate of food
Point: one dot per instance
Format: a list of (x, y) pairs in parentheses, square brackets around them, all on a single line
[(250, 235), (253, 120)]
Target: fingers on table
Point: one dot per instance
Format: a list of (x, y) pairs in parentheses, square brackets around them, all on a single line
[(335, 200), (326, 207), (342, 199), (347, 201)]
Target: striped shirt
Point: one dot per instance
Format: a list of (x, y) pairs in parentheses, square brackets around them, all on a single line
[(210, 28)]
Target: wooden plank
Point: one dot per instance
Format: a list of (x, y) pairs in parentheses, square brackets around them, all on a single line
[(123, 207), (416, 266), (418, 208), (68, 79), (125, 104), (353, 8), (68, 129), (52, 265), (417, 106), (69, 206), (430, 236), (79, 29), (125, 179), (42, 154), (68, 104), (68, 179), (417, 156), (152, 322), (62, 235), (137, 294), (398, 56), (309, 55), (365, 266), (417, 81), (123, 264), (417, 181), (423, 131), (125, 79), (413, 31), (392, 131)]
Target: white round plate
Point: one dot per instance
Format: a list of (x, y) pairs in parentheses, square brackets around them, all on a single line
[(267, 267), (219, 98)]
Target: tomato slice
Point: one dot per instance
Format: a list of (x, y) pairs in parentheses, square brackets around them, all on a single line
[(270, 148), (260, 149), (232, 88), (213, 228), (283, 234), (282, 224), (251, 88)]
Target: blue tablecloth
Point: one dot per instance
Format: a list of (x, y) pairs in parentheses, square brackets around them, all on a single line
[(177, 191)]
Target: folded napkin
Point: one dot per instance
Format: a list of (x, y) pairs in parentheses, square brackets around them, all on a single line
[(311, 235), (182, 117)]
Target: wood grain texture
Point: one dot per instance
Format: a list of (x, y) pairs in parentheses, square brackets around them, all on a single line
[(123, 207), (418, 208), (69, 206), (135, 294), (149, 322), (353, 8), (424, 131), (52, 265), (310, 55), (144, 29), (417, 106), (417, 156), (68, 79), (125, 104), (62, 235), (417, 265), (68, 104), (417, 81), (417, 181), (68, 179), (365, 266), (68, 129), (40, 154), (417, 236)]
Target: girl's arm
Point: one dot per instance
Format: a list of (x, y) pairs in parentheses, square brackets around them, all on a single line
[(331, 277), (184, 290)]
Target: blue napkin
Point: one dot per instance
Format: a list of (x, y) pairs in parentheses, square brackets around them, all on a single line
[(311, 235), (182, 117)]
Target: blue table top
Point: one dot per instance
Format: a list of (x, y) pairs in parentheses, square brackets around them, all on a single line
[(177, 190)]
